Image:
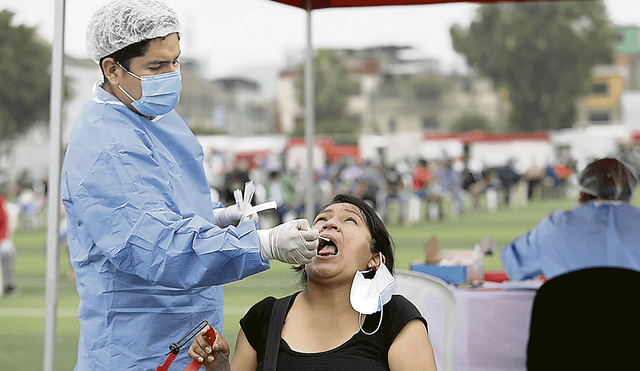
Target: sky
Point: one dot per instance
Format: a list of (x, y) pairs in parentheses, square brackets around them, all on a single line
[(232, 35)]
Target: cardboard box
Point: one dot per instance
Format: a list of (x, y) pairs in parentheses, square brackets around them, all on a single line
[(453, 266), (435, 255)]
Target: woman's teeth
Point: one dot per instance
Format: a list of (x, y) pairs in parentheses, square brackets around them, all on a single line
[(326, 247)]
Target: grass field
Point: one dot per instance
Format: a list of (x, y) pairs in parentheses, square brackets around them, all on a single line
[(22, 314)]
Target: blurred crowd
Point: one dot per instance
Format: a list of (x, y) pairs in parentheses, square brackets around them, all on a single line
[(402, 192), (405, 191), (29, 195)]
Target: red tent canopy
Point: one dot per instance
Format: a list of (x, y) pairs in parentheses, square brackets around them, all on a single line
[(333, 151), (319, 4)]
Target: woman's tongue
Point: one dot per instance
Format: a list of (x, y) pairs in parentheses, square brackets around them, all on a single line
[(328, 250)]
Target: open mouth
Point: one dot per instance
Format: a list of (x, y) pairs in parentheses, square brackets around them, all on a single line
[(326, 247)]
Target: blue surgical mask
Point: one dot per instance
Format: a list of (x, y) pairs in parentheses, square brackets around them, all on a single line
[(160, 93)]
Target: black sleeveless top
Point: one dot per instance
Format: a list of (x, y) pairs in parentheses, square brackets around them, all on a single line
[(360, 352)]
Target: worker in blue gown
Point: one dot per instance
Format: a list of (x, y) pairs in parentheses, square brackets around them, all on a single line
[(604, 230), (148, 247)]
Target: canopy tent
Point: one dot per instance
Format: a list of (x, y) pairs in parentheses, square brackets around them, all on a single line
[(319, 4), (53, 202)]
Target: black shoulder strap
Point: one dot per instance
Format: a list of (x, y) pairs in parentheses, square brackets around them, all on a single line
[(275, 332)]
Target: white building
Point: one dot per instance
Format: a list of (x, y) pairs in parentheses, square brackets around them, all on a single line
[(390, 99)]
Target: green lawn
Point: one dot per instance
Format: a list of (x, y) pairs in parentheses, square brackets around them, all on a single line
[(22, 315)]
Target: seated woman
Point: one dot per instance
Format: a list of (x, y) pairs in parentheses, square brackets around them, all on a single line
[(343, 319)]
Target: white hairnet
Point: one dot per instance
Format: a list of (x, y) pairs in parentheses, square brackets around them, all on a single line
[(608, 179), (121, 23)]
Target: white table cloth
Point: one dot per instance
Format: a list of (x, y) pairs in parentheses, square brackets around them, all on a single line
[(492, 326)]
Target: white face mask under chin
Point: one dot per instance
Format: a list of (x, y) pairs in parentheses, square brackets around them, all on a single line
[(370, 295)]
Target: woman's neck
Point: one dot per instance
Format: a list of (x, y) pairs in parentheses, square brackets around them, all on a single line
[(328, 298), (320, 319)]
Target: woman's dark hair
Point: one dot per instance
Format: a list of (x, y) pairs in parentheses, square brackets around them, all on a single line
[(380, 238), (126, 54)]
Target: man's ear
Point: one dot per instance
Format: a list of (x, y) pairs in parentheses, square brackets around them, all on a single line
[(109, 69)]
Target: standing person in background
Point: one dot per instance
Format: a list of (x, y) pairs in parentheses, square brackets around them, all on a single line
[(281, 189), (28, 203), (422, 177), (474, 184), (9, 214), (451, 187), (394, 191), (534, 176), (349, 178), (603, 231), (423, 180), (148, 246), (369, 185), (508, 178)]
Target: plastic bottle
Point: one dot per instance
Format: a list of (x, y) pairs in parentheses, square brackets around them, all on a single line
[(477, 268)]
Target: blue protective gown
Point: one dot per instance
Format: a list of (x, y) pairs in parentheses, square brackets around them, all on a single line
[(592, 235), (147, 256)]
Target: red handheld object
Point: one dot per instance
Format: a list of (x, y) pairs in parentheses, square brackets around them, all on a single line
[(167, 362), (211, 338), (174, 348)]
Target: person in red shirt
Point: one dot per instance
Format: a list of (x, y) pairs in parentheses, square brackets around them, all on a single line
[(422, 177), (8, 222), (422, 180)]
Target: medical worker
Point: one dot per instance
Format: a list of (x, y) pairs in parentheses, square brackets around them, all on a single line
[(603, 231), (148, 247)]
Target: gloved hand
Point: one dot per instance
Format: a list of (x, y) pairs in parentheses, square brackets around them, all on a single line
[(292, 242), (224, 217), (253, 216)]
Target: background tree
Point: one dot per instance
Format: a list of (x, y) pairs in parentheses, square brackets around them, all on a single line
[(471, 121), (333, 85), (24, 78), (541, 53)]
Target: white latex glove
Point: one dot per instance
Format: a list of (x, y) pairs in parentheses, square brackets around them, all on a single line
[(253, 216), (224, 217), (292, 242)]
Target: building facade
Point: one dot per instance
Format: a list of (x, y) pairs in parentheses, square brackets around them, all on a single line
[(397, 95)]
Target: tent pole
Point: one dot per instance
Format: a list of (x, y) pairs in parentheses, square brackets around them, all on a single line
[(53, 190), (309, 124)]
